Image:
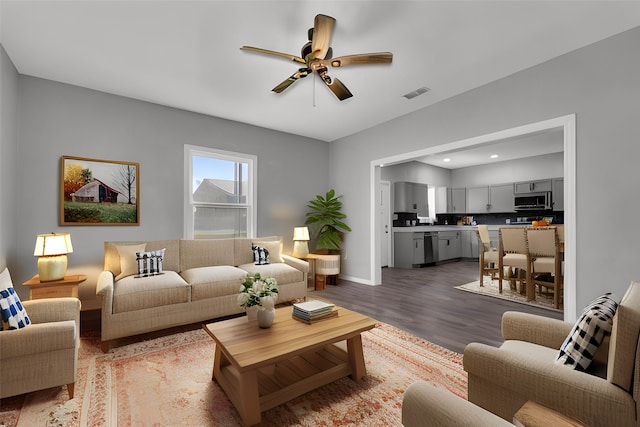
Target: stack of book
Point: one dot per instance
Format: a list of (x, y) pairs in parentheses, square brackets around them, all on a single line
[(314, 310)]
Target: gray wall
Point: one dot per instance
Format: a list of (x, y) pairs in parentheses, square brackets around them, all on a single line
[(530, 168), (8, 156), (56, 119), (599, 83)]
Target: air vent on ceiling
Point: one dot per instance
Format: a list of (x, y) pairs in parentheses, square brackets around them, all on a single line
[(416, 92)]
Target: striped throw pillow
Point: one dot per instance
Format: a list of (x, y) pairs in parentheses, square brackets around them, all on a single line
[(150, 262)]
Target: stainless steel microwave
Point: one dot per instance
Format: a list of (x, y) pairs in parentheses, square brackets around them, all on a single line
[(533, 201)]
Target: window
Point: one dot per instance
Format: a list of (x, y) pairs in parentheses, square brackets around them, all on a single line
[(219, 193)]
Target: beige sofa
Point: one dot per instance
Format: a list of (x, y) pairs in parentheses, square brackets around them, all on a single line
[(200, 281), (45, 353)]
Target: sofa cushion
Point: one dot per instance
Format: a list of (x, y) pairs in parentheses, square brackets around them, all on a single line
[(283, 273), (587, 334), (136, 293), (214, 281), (624, 339), (128, 259), (206, 253), (244, 254), (171, 255), (274, 247), (13, 315)]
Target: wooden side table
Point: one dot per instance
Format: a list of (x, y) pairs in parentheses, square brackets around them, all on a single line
[(535, 415), (67, 287)]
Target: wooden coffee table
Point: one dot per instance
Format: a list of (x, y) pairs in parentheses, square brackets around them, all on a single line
[(262, 368)]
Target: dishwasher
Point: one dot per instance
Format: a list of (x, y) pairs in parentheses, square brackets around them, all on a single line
[(430, 247)]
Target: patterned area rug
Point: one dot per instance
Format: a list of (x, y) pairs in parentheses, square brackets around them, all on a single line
[(167, 382), (490, 289)]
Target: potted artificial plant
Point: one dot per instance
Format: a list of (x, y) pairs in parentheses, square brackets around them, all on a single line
[(326, 221)]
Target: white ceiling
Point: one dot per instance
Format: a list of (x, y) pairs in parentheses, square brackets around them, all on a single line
[(185, 54), (530, 145)]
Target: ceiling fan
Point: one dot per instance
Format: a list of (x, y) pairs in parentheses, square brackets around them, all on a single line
[(316, 55)]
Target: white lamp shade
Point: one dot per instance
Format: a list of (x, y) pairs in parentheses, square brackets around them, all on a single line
[(300, 234), (51, 250), (53, 244)]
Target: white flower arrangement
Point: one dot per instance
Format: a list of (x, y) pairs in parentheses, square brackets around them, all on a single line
[(258, 291)]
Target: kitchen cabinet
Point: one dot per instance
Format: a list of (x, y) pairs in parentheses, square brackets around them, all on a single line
[(532, 186), (478, 200), (495, 198), (501, 198), (469, 244), (408, 249), (449, 245), (558, 194), (441, 200), (456, 200), (411, 197)]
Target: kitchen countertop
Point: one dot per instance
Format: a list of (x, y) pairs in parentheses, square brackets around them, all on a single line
[(435, 228)]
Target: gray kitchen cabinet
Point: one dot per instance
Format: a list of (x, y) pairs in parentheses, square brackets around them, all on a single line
[(494, 198), (441, 200), (411, 197), (456, 200), (558, 194), (408, 249), (449, 245), (532, 186), (501, 198), (469, 244), (478, 200)]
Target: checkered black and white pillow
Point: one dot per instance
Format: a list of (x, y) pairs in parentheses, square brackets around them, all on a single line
[(150, 262), (12, 313), (587, 333), (260, 255)]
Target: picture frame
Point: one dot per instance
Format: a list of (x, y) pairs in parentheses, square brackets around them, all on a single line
[(99, 192)]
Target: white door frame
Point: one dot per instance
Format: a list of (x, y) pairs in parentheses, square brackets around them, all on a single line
[(568, 125)]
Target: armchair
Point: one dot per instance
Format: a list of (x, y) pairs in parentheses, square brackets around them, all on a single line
[(502, 379), (45, 353)]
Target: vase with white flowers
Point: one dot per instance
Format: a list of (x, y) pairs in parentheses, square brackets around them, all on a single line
[(258, 296)]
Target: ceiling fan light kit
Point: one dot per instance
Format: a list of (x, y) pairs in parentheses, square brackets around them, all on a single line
[(316, 55)]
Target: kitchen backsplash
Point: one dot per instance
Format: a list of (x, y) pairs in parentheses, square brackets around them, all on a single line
[(501, 218)]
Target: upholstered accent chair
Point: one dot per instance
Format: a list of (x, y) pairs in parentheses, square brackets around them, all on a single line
[(523, 369), (43, 354)]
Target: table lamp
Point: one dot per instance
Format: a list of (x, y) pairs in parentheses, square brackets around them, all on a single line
[(51, 250), (300, 239)]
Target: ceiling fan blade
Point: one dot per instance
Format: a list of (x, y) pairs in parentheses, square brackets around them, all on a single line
[(336, 86), (362, 58), (322, 31), (301, 73), (271, 52)]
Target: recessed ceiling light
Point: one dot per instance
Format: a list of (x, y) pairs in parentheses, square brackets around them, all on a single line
[(446, 160), (494, 156)]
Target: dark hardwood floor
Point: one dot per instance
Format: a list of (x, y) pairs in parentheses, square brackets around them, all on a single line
[(424, 301)]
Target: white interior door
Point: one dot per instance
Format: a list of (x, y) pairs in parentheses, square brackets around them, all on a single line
[(384, 213)]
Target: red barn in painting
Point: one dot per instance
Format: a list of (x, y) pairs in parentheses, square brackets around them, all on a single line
[(96, 192)]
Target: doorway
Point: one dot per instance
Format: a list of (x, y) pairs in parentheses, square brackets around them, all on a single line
[(567, 125)]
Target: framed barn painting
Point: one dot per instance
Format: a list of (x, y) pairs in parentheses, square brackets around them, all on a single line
[(99, 192)]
